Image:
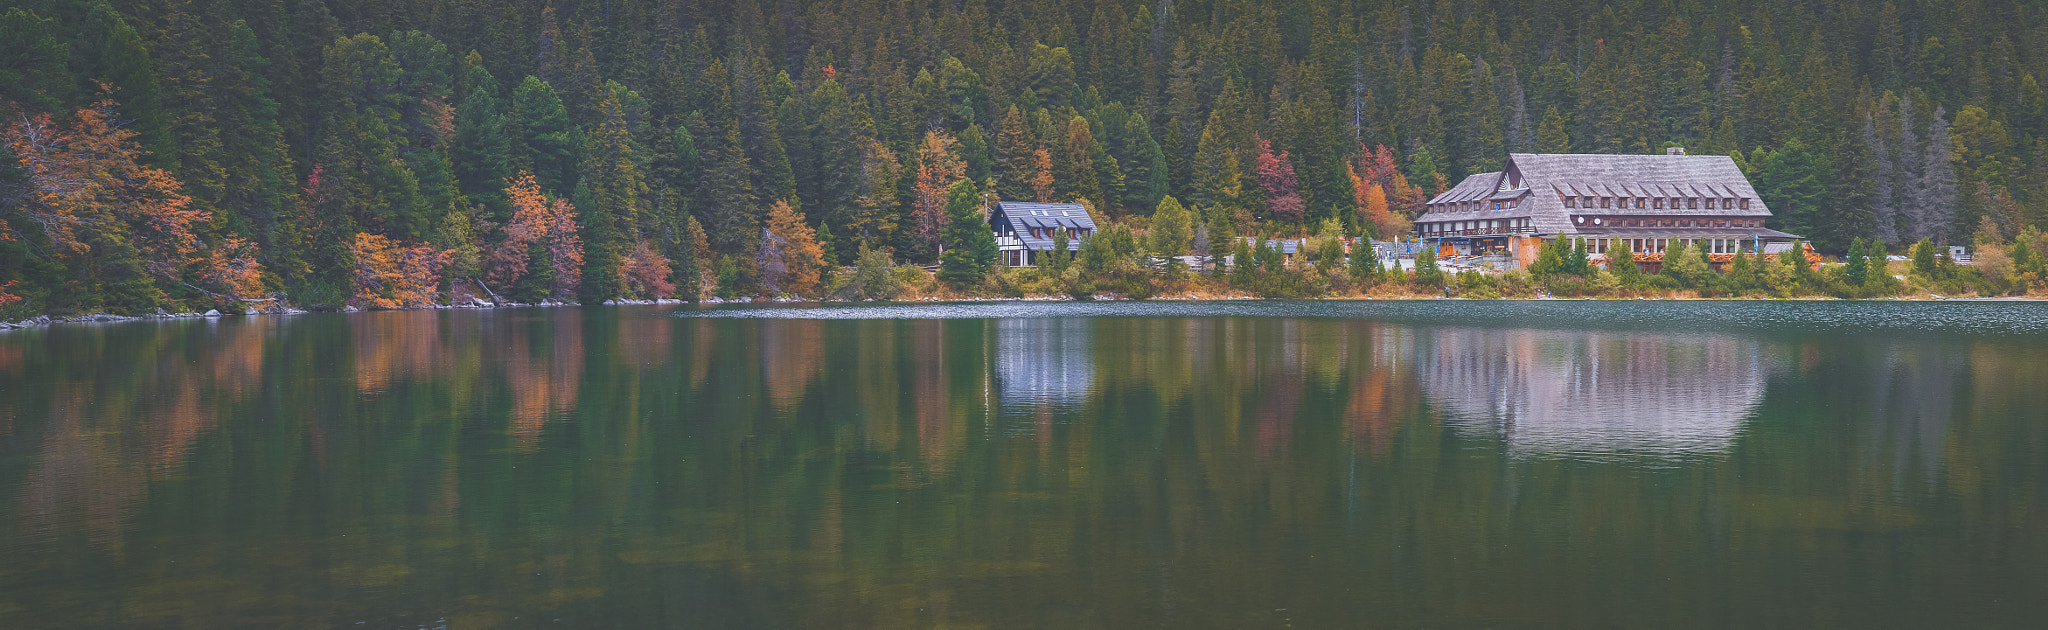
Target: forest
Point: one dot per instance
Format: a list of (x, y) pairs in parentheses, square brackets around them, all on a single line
[(256, 154)]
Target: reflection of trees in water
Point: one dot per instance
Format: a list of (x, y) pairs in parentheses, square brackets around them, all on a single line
[(1548, 391), (543, 368), (876, 473), (1912, 393)]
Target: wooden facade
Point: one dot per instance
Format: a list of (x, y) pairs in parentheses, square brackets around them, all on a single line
[(1641, 204)]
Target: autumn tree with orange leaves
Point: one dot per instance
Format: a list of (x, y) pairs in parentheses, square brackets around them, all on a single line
[(644, 272), (938, 166), (390, 274), (798, 252), (123, 230), (541, 255)]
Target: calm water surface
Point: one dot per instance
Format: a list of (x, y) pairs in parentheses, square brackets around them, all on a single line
[(1230, 465)]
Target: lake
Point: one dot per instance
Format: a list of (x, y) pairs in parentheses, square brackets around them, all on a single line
[(1035, 465)]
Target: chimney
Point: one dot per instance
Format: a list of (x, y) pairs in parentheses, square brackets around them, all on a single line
[(1674, 151)]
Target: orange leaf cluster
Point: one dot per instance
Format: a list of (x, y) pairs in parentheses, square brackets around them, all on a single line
[(86, 182), (390, 274), (6, 294), (937, 168), (1041, 175), (232, 267), (550, 223), (802, 256), (645, 272), (1397, 199)]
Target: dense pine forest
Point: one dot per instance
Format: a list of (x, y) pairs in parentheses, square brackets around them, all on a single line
[(188, 154)]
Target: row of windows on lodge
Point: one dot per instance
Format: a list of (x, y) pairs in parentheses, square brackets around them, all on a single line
[(1459, 226), (1679, 223), (1657, 203), (1473, 206), (1658, 245), (1495, 224)]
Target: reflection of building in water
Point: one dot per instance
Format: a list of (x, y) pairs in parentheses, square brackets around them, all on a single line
[(1580, 392), (1042, 363), (1912, 393)]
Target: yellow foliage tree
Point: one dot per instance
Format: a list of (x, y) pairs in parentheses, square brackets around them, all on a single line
[(390, 274), (802, 256)]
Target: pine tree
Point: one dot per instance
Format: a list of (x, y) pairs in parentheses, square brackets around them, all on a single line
[(611, 215), (32, 61), (970, 243), (362, 147), (483, 150), (1551, 136), (1014, 157), (1217, 177), (1855, 267), (120, 58), (548, 141), (1170, 231)]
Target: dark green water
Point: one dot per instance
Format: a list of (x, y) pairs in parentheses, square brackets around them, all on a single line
[(1235, 465)]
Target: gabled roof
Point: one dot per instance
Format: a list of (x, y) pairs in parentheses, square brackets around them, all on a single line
[(1024, 215), (1549, 177)]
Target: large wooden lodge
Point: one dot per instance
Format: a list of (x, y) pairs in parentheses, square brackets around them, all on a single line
[(1639, 204)]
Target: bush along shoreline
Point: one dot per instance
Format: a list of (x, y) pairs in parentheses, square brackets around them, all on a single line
[(1119, 263)]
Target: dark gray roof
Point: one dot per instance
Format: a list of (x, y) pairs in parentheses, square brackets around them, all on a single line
[(1548, 178), (1024, 215), (1286, 246)]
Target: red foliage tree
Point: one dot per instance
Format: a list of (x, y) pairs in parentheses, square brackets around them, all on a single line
[(1276, 175), (646, 272), (536, 219), (1377, 166)]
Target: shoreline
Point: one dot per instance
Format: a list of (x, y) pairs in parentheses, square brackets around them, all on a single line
[(46, 321)]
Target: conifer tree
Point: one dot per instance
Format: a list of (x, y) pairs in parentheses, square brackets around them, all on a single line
[(483, 150), (1015, 157), (1170, 232), (548, 141), (1551, 134), (611, 215), (970, 243), (117, 56)]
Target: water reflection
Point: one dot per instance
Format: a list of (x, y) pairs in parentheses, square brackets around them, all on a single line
[(621, 467), (1043, 363), (1588, 393)]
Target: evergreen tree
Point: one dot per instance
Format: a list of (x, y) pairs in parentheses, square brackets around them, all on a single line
[(548, 141), (1854, 265), (1170, 232), (483, 150), (611, 213), (1014, 157), (1551, 134), (970, 243)]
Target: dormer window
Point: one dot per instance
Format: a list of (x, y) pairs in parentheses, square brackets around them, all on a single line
[(1745, 203)]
